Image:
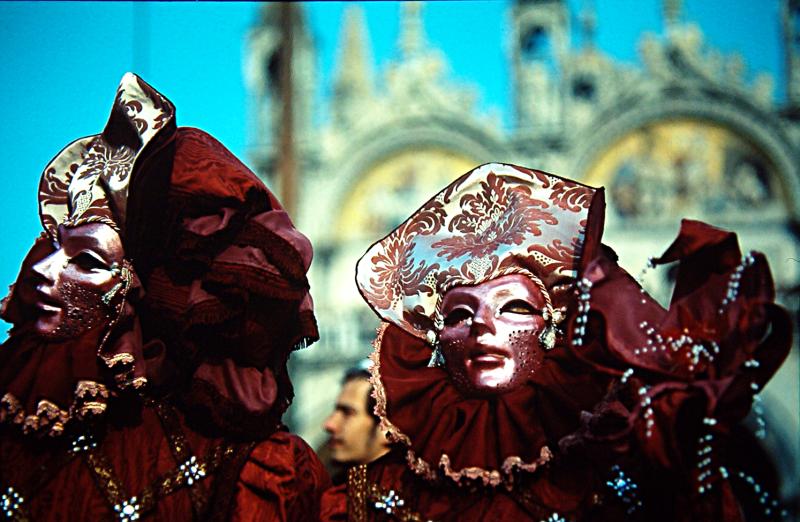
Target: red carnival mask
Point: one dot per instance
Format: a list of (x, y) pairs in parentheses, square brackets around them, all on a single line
[(78, 280), (490, 335)]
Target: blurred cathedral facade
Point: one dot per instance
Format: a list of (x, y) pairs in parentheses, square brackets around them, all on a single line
[(683, 135)]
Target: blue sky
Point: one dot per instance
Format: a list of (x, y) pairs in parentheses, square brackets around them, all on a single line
[(62, 62)]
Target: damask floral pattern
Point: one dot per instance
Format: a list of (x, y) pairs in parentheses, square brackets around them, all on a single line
[(556, 256), (71, 190), (397, 273), (54, 199), (112, 163), (492, 219), (569, 196), (497, 215)]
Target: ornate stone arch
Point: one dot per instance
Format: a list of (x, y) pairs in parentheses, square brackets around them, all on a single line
[(636, 110), (447, 132)]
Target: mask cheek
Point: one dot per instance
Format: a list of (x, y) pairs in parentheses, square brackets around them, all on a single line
[(455, 360), (83, 310), (527, 352)]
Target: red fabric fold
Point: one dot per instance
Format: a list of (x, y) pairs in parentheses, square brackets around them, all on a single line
[(478, 438), (646, 389), (670, 398)]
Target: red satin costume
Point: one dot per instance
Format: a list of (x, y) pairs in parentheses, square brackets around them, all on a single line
[(160, 394), (632, 411)]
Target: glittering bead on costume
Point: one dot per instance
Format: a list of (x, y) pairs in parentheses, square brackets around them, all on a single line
[(192, 470), (83, 443), (625, 488), (758, 411), (733, 283), (11, 503), (389, 502), (705, 470), (555, 517), (651, 263), (128, 511), (648, 411), (626, 375), (584, 294), (771, 505), (696, 351), (758, 403)]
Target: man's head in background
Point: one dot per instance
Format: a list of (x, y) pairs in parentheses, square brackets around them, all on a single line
[(355, 437)]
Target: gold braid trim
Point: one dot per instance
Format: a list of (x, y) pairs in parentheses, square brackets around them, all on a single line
[(180, 450), (104, 477), (363, 495), (357, 493), (162, 487), (189, 472)]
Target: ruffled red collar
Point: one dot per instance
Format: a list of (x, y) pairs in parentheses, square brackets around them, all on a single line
[(45, 386), (467, 439)]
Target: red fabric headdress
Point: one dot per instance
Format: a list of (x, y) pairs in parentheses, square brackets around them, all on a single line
[(494, 220), (89, 180), (223, 284), (631, 382)]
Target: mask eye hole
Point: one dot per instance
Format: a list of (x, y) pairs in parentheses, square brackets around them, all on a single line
[(88, 261), (518, 306), (457, 316)]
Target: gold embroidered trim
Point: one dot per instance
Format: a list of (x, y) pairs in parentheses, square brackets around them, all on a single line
[(182, 453), (49, 418), (363, 495), (423, 468), (120, 358), (90, 389), (91, 397), (90, 408), (11, 409), (357, 493), (182, 476)]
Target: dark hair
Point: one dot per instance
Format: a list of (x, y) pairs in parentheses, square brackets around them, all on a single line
[(361, 372)]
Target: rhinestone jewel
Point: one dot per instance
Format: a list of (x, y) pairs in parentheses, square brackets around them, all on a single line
[(625, 489), (128, 511), (389, 502), (10, 502), (193, 470)]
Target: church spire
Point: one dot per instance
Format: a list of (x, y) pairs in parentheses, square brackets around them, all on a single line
[(588, 23), (355, 60), (672, 10), (353, 82), (791, 41), (412, 33)]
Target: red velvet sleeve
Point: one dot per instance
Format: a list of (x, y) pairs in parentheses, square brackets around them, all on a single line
[(281, 480), (333, 507)]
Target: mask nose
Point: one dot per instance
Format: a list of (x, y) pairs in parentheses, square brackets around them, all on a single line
[(50, 267), (483, 320)]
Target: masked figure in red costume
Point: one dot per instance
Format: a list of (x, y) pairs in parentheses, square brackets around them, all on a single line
[(145, 373), (523, 375)]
